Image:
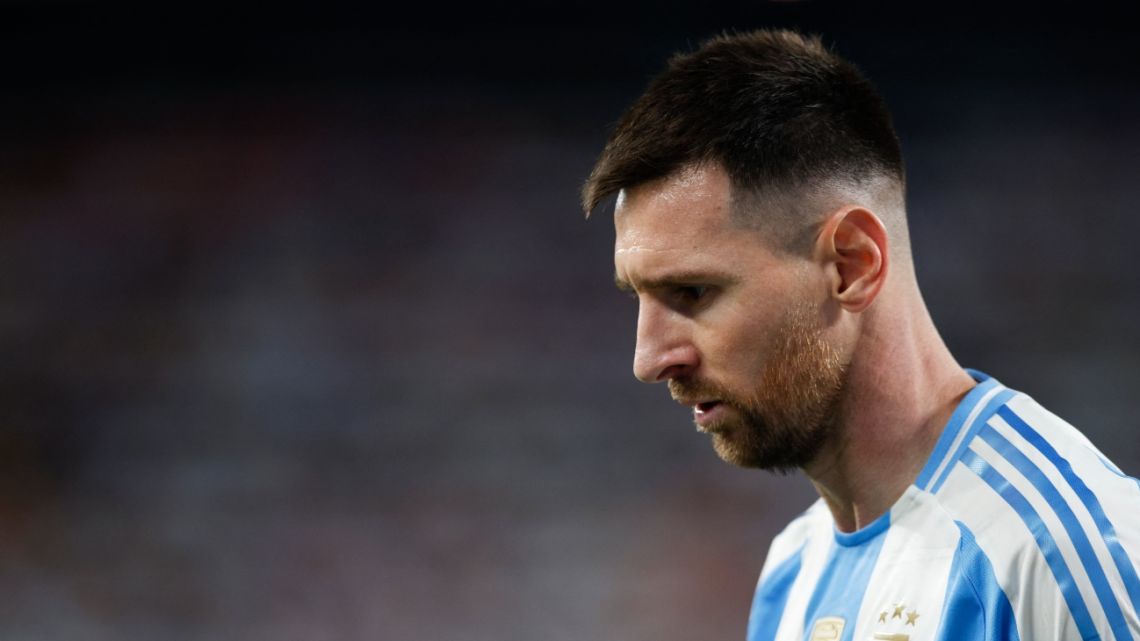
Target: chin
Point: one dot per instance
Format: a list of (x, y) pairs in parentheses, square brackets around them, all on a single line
[(747, 453)]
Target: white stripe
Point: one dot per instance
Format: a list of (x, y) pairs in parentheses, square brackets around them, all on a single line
[(1039, 609), (1084, 518), (1056, 529), (913, 567), (1118, 496), (1071, 443), (814, 556)]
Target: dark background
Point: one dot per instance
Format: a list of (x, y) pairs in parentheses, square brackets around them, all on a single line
[(304, 335)]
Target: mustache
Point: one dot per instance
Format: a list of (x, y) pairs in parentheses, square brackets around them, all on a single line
[(692, 390)]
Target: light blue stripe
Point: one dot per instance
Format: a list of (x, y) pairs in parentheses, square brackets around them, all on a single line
[(1072, 526), (999, 399), (843, 583), (1044, 539), (975, 606), (771, 597), (1088, 498), (942, 447)]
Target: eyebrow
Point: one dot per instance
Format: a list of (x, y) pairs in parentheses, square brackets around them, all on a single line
[(677, 279)]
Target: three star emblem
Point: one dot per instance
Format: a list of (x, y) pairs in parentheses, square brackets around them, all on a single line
[(899, 609), (889, 614)]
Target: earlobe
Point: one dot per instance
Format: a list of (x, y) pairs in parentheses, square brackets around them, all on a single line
[(853, 247)]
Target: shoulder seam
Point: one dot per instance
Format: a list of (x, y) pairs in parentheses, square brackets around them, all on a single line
[(966, 575)]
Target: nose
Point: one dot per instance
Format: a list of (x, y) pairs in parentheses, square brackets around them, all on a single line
[(664, 346)]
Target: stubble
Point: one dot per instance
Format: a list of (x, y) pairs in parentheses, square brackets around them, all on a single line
[(791, 412)]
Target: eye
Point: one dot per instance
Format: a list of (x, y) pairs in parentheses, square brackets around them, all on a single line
[(691, 294)]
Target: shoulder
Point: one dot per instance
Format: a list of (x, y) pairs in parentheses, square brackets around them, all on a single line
[(1030, 476), (1052, 522)]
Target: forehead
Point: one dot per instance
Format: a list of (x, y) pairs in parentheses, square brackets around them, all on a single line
[(682, 222), (689, 203)]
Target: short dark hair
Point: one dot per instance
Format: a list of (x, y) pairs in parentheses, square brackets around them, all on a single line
[(776, 109)]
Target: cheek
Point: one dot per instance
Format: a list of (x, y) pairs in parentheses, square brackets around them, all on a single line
[(735, 350)]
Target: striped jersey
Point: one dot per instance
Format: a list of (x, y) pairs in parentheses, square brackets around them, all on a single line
[(1016, 528)]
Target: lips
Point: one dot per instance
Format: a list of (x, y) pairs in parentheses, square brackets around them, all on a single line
[(709, 411), (706, 414), (698, 405), (705, 406)]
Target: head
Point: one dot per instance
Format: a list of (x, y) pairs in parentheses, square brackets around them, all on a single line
[(758, 180)]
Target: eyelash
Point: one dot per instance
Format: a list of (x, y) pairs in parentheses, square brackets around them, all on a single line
[(682, 295)]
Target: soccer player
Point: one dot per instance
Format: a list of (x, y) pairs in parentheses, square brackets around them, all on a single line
[(761, 227)]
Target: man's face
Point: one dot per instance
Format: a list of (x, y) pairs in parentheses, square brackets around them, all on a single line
[(736, 328)]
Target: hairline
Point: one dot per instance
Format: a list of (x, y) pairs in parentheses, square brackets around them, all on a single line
[(779, 208)]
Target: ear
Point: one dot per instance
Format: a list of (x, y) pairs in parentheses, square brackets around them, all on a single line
[(852, 247)]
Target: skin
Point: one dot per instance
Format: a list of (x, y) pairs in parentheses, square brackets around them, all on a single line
[(717, 300)]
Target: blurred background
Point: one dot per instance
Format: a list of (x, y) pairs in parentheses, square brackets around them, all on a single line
[(304, 336)]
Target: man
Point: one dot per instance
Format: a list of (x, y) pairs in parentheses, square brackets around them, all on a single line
[(761, 226)]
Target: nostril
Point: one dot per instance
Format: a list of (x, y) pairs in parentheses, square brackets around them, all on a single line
[(671, 372)]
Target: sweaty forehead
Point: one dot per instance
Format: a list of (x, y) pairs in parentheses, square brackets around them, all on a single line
[(680, 229)]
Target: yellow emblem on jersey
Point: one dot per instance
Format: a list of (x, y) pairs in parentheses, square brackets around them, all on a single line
[(888, 616), (827, 629)]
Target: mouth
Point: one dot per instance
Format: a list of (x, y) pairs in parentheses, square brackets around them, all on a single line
[(705, 406), (706, 414)]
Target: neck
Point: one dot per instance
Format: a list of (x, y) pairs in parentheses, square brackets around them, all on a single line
[(903, 384)]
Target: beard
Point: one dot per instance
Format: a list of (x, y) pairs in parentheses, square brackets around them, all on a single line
[(787, 418)]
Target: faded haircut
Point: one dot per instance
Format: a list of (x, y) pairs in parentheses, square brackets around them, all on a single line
[(777, 110)]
